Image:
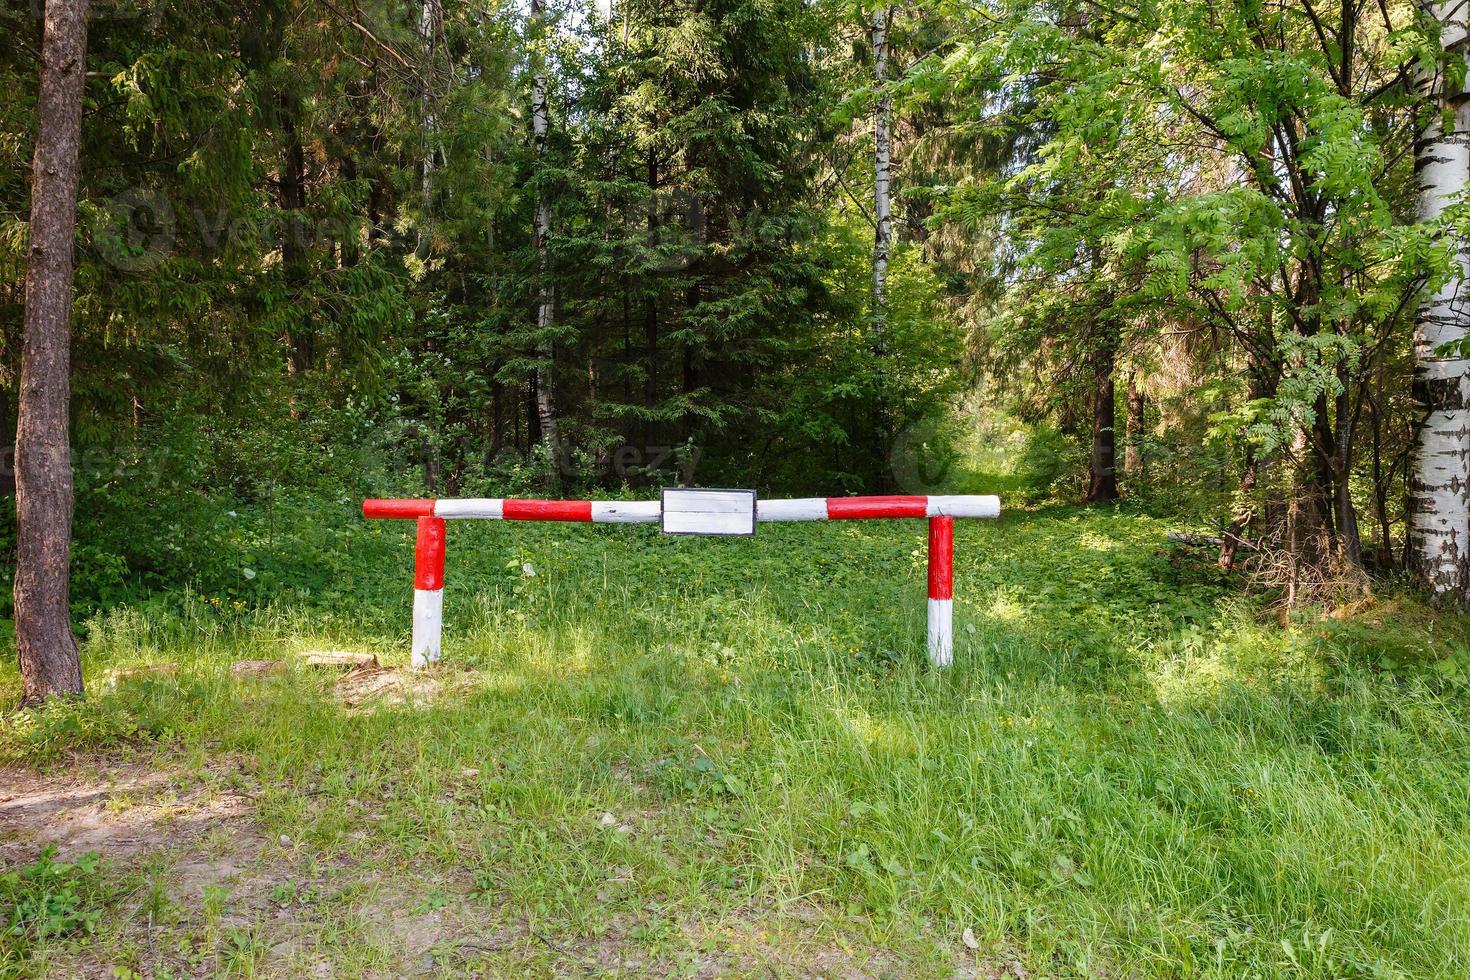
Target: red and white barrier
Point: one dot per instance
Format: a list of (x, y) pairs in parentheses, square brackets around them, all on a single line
[(428, 606), (649, 511)]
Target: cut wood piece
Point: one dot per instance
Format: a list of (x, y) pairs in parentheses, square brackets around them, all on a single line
[(148, 670), (342, 661), (257, 668)]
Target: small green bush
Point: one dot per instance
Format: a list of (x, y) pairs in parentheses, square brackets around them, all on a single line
[(49, 899)]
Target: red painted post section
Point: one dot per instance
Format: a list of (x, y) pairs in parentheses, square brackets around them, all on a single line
[(548, 510), (859, 508), (398, 508), (428, 555), (941, 557)]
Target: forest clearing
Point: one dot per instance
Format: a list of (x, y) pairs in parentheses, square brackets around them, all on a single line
[(647, 755), (1037, 434)]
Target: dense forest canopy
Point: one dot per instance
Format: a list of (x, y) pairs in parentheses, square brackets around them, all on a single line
[(449, 248)]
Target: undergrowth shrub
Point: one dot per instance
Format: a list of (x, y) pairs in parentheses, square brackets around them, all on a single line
[(48, 900)]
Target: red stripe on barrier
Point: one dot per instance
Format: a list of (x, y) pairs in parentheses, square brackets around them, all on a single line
[(857, 508), (428, 555), (941, 557), (398, 508), (548, 510)]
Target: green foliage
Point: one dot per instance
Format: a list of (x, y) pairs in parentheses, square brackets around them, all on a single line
[(1048, 465), (49, 900), (1218, 200), (46, 734)]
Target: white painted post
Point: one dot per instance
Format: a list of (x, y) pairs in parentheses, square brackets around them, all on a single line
[(428, 592)]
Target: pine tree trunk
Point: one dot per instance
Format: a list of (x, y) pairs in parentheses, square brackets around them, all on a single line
[(49, 663), (1102, 483), (1438, 509)]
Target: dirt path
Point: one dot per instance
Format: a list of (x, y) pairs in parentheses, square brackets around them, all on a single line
[(200, 888)]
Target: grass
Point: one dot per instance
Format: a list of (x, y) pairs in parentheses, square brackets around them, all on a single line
[(650, 754)]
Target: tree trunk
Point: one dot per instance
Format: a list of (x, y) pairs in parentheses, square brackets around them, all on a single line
[(1232, 537), (1381, 480), (882, 162), (882, 218), (1349, 537), (1309, 529), (689, 378), (1102, 483), (1438, 509), (1133, 447), (431, 25), (49, 663), (546, 299), (1260, 381), (292, 202), (650, 315)]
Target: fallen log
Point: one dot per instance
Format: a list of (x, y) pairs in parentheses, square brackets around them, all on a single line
[(257, 668), (341, 661)]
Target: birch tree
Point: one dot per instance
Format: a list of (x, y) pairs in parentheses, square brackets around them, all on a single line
[(545, 293), (49, 663), (431, 28), (1439, 526), (882, 206)]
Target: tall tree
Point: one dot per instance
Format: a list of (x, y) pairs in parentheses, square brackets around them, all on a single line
[(882, 186), (431, 30), (49, 662), (545, 294), (1439, 488), (1244, 172)]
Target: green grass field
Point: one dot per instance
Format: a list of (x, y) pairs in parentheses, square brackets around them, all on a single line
[(647, 755)]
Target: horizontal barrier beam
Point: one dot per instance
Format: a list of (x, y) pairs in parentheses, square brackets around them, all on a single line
[(648, 511)]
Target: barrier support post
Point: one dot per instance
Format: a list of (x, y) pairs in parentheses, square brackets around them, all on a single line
[(941, 591), (428, 592)]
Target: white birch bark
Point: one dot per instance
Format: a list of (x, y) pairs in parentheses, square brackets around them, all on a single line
[(546, 298), (1439, 508), (431, 26), (882, 216)]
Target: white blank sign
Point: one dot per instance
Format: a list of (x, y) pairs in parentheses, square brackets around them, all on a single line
[(708, 511)]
